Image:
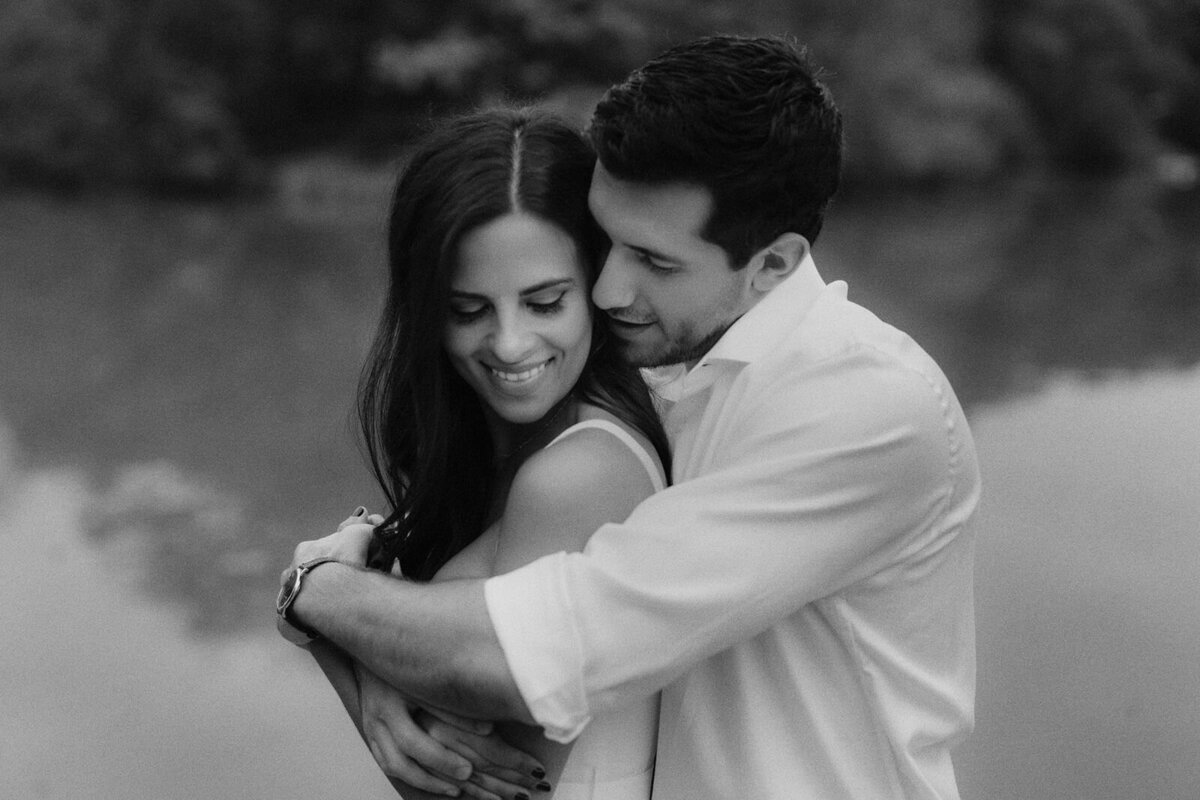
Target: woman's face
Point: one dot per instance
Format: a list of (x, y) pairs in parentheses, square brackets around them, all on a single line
[(519, 326)]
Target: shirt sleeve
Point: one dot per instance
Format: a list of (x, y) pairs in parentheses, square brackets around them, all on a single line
[(822, 478)]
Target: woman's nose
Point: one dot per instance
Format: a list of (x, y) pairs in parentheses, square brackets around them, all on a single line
[(512, 340)]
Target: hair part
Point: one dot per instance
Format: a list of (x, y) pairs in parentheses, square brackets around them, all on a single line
[(744, 117)]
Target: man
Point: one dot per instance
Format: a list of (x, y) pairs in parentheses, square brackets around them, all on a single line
[(802, 594)]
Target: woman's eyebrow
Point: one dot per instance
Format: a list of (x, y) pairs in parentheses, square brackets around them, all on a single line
[(553, 283)]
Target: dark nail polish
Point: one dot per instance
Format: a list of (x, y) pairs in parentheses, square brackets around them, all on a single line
[(522, 796), (543, 787), (358, 512), (538, 773)]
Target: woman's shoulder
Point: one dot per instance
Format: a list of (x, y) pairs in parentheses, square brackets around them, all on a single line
[(567, 490), (599, 449)]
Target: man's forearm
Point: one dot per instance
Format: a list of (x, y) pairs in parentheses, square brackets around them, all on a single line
[(434, 642)]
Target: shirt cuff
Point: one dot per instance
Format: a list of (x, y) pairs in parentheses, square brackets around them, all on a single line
[(531, 612)]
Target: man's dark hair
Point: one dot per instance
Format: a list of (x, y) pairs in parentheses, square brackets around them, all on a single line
[(747, 119)]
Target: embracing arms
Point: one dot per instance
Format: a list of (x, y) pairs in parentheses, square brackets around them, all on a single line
[(435, 641)]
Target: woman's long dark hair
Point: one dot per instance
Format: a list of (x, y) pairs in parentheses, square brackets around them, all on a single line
[(423, 426)]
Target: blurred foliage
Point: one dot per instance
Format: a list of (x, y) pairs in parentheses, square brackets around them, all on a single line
[(177, 95), (1105, 78)]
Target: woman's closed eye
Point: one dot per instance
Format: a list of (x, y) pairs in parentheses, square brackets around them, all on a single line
[(546, 304), (467, 312)]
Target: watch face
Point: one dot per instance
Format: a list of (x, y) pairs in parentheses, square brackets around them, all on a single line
[(287, 592)]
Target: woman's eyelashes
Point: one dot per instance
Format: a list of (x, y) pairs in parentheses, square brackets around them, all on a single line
[(466, 313), (547, 306)]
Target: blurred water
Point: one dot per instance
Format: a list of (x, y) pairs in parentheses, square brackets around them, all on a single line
[(177, 383)]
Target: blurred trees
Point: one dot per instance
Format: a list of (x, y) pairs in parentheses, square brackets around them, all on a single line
[(1105, 79), (172, 94)]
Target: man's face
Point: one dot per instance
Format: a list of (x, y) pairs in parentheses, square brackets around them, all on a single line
[(669, 294)]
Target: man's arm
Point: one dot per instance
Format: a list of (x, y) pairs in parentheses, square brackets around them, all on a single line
[(434, 642)]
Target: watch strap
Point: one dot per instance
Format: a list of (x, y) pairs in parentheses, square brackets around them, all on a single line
[(284, 605)]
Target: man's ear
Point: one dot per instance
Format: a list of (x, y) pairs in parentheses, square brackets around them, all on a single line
[(777, 260)]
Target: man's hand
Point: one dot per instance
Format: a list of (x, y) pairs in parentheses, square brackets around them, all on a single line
[(499, 770), (442, 754)]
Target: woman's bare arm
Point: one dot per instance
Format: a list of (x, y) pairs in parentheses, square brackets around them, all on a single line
[(559, 498)]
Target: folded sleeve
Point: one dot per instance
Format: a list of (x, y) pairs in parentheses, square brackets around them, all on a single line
[(540, 643)]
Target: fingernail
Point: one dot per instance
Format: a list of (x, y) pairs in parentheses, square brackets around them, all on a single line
[(538, 773), (358, 512), (543, 787), (522, 796)]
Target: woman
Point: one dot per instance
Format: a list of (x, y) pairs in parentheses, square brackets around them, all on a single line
[(518, 431)]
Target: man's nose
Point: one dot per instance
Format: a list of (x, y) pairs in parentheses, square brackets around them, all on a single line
[(614, 287)]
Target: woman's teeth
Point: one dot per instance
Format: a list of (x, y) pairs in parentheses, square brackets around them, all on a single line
[(519, 377)]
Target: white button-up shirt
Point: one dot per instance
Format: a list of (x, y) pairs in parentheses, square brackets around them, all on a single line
[(802, 594)]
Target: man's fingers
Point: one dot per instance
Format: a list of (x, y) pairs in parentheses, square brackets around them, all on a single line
[(479, 727), (394, 763), (512, 769), (479, 793), (419, 746), (506, 759)]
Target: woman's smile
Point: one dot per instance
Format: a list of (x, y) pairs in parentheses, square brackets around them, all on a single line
[(519, 377)]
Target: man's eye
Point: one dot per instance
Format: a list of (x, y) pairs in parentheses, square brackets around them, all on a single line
[(648, 261)]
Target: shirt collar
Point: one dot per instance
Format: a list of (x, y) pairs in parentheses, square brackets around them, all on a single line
[(759, 330), (754, 334)]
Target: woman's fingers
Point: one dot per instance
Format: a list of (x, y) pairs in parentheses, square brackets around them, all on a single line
[(359, 515), (495, 786)]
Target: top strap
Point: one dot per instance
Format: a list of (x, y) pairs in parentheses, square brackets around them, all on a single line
[(648, 461)]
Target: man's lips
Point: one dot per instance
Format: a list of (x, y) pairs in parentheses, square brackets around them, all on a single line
[(630, 325)]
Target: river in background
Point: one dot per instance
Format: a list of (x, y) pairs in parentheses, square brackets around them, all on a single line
[(174, 415)]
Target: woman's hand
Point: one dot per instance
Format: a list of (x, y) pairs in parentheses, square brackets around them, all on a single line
[(347, 544), (442, 754)]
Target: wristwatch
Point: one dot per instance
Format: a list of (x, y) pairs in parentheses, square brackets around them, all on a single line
[(292, 630)]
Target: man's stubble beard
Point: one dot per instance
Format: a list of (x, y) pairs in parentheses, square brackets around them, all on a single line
[(681, 352)]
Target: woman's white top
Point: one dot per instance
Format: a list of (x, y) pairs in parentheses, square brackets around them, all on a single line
[(613, 759)]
